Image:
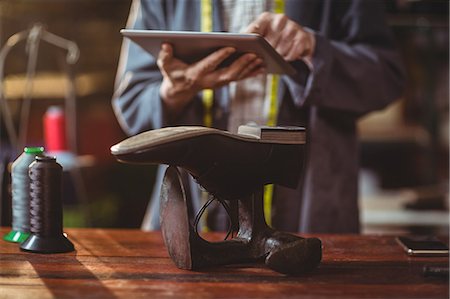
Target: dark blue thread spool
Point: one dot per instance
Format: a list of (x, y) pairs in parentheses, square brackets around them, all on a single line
[(46, 208)]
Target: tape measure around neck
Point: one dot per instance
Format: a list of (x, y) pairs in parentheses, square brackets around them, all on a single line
[(206, 25), (272, 90)]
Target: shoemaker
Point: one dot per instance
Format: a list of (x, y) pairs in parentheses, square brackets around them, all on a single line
[(347, 66)]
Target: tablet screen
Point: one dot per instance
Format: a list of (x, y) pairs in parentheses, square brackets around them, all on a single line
[(191, 46)]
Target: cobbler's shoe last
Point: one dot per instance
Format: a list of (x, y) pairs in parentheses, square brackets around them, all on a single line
[(227, 165)]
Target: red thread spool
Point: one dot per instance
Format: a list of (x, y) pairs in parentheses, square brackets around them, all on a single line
[(55, 129)]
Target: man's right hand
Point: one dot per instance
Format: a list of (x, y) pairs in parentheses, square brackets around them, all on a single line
[(181, 81)]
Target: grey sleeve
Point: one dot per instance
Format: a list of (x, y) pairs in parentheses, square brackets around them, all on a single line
[(356, 68), (136, 101)]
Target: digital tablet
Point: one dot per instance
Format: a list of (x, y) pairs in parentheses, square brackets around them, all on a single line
[(423, 246), (192, 46)]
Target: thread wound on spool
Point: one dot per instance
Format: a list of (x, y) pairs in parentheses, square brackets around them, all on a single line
[(55, 129), (20, 191), (46, 208), (45, 192)]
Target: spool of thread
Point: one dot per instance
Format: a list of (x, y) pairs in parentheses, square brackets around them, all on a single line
[(55, 129), (46, 208), (20, 189)]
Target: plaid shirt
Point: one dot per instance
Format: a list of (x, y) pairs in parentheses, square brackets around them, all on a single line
[(247, 96)]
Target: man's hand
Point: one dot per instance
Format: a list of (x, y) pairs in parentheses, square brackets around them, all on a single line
[(288, 38), (182, 81)]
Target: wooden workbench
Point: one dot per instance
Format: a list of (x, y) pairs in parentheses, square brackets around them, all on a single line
[(135, 264)]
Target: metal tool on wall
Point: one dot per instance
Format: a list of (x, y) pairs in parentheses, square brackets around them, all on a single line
[(33, 37), (17, 135)]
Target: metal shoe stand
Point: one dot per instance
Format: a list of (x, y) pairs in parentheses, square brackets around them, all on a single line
[(255, 240)]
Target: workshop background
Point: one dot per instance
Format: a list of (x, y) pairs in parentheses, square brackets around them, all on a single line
[(404, 148)]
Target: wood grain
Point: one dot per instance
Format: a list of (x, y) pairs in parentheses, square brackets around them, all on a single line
[(135, 264)]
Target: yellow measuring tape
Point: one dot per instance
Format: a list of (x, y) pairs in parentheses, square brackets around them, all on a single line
[(206, 25), (272, 121), (208, 94)]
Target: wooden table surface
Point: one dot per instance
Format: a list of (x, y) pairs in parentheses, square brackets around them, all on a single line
[(135, 264)]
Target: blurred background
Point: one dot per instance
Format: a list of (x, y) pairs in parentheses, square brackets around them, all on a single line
[(404, 148)]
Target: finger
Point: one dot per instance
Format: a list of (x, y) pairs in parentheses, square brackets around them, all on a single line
[(253, 28), (227, 74), (277, 26), (273, 39), (232, 73), (258, 71), (296, 52), (165, 55), (310, 45), (287, 39), (301, 47), (292, 51), (166, 52), (250, 68), (212, 61), (260, 25), (197, 71)]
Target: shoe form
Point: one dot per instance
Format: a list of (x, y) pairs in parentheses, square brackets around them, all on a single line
[(229, 166)]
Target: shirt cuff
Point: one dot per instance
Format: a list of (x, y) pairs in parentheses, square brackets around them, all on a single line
[(310, 74)]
